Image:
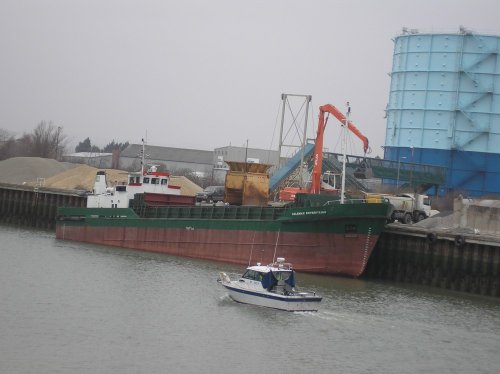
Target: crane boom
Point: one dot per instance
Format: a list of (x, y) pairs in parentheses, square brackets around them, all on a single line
[(288, 193), (340, 116), (318, 149)]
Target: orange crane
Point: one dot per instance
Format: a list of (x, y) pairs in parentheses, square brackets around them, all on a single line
[(288, 193)]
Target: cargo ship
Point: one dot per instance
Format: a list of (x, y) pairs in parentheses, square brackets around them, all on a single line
[(320, 233)]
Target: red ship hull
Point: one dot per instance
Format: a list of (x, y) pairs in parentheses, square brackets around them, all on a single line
[(343, 254)]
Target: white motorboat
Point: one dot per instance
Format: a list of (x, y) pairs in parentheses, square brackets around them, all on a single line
[(271, 286)]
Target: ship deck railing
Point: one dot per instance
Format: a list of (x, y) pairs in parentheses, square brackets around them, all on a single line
[(358, 201)]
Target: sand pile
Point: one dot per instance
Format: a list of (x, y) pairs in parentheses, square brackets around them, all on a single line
[(82, 177), (188, 187)]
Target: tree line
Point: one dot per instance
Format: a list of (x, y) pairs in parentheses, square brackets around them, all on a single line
[(47, 140), (87, 146)]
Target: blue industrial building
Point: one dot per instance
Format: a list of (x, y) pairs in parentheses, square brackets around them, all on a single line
[(444, 107)]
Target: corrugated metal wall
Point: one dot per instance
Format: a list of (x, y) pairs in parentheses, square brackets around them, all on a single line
[(444, 107)]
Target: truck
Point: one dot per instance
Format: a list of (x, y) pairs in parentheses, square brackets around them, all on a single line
[(211, 194), (407, 207)]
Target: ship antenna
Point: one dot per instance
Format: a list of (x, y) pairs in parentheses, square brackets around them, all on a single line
[(276, 245), (246, 158), (142, 157)]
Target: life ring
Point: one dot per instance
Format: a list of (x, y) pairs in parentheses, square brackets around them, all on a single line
[(431, 237), (459, 241)]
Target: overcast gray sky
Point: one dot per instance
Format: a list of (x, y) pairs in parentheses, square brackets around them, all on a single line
[(206, 74)]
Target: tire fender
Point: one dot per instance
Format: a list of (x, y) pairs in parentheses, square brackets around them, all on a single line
[(431, 237), (459, 241)]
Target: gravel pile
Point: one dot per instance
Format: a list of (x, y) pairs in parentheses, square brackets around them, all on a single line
[(26, 170)]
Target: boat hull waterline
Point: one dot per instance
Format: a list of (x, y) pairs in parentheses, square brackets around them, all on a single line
[(299, 302), (338, 242)]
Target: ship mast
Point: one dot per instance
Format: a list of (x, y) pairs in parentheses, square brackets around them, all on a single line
[(143, 153), (344, 150)]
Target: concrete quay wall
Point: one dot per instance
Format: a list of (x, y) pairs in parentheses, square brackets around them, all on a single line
[(459, 262), (33, 206), (458, 250)]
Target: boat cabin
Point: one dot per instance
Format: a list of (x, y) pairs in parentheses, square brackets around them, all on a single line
[(119, 196), (277, 277)]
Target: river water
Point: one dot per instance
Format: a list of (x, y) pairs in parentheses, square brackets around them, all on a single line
[(69, 307)]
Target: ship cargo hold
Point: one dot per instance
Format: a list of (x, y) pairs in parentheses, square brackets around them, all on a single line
[(444, 107)]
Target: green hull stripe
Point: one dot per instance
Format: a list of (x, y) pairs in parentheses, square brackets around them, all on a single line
[(329, 219)]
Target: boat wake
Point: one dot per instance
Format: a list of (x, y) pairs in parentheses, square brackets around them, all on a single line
[(225, 299)]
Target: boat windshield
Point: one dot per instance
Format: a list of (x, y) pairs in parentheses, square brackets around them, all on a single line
[(253, 275)]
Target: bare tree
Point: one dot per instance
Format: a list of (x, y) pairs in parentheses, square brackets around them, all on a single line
[(7, 144), (4, 136), (57, 141), (24, 146), (47, 141)]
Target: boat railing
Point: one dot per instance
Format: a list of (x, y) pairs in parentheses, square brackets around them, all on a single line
[(371, 200), (281, 265), (347, 201)]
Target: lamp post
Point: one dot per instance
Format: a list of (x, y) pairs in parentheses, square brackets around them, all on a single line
[(399, 165), (411, 170)]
